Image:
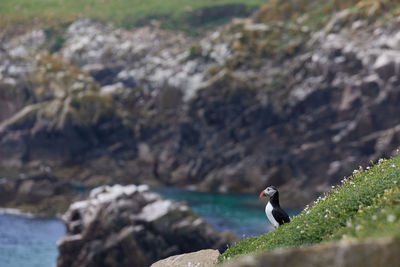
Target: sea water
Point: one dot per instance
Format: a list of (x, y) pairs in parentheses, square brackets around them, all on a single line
[(29, 242)]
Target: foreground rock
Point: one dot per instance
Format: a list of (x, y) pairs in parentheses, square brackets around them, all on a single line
[(130, 226), (202, 258), (370, 253)]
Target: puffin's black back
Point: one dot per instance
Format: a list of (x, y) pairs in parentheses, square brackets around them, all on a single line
[(279, 214)]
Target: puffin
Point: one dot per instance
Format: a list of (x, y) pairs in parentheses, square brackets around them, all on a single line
[(275, 214)]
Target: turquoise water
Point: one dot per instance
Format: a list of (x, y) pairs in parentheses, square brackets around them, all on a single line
[(242, 214), (29, 242)]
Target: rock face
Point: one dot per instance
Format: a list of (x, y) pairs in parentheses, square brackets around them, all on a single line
[(41, 194), (358, 254), (129, 226), (67, 112), (218, 113), (202, 258)]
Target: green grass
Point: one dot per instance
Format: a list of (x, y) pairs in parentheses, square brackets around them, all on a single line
[(173, 13), (365, 205), (380, 219)]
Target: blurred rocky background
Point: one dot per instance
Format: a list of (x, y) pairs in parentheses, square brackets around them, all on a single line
[(286, 97)]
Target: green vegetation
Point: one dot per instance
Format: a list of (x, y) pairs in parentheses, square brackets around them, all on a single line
[(58, 43), (380, 219), (181, 14), (365, 205), (291, 23)]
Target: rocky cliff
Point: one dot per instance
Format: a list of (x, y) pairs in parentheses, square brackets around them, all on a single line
[(289, 97)]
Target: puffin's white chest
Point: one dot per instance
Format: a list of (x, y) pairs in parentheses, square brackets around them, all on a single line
[(268, 211)]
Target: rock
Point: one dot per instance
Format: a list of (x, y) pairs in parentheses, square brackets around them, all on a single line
[(42, 194), (102, 74), (112, 55), (113, 89), (130, 226), (369, 253), (202, 258), (370, 86), (12, 98), (23, 45), (385, 66), (72, 115)]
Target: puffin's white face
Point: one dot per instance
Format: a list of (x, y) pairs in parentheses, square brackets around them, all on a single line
[(269, 191)]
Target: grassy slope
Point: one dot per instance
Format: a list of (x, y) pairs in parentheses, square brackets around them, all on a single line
[(364, 205), (122, 12)]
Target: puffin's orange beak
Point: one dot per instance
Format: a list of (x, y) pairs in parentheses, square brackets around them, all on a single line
[(262, 194)]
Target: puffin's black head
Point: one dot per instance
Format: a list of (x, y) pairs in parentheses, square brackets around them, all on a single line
[(269, 191)]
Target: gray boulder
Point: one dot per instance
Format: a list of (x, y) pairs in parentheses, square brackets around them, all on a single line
[(130, 226), (202, 258)]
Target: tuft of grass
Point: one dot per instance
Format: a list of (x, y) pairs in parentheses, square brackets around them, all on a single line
[(347, 211)]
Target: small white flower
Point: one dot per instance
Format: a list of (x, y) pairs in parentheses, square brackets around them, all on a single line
[(358, 227), (302, 232), (368, 167), (395, 182), (393, 165), (391, 218), (326, 216), (333, 187), (374, 217), (307, 212), (298, 227)]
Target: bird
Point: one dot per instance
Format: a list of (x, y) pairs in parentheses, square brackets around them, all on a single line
[(275, 214)]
